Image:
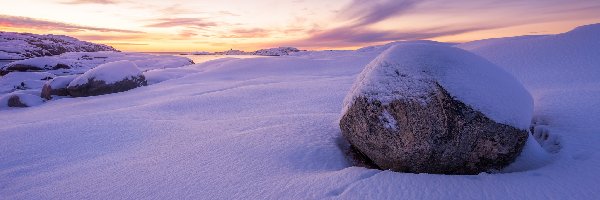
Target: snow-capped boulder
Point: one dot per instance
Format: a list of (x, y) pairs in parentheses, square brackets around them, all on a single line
[(28, 45), (20, 99), (428, 108), (57, 86), (35, 65), (107, 78)]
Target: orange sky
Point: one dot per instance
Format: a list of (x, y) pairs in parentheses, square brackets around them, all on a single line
[(206, 25)]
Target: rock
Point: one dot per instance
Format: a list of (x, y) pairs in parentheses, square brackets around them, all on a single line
[(107, 78), (15, 101), (431, 108), (20, 99), (38, 64), (57, 86), (28, 45), (279, 51)]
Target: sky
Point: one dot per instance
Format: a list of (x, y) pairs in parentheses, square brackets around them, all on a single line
[(216, 25)]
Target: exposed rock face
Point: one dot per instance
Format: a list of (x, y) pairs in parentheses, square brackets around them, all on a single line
[(99, 87), (27, 45), (15, 101), (107, 78), (57, 87), (18, 67), (443, 137), (415, 124)]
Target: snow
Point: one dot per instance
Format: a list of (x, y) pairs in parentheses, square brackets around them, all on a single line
[(29, 80), (43, 63), (267, 128), (411, 70), (27, 97), (80, 62), (62, 81), (109, 73)]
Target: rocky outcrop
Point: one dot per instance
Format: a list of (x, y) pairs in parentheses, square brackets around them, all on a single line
[(28, 45), (413, 110)]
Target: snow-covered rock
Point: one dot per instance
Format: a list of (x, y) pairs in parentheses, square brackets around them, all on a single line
[(279, 51), (80, 62), (23, 81), (57, 86), (20, 99), (436, 109), (27, 45), (107, 78), (36, 65)]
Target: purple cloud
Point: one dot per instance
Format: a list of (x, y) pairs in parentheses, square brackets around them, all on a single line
[(197, 23), (91, 2), (26, 22), (365, 12)]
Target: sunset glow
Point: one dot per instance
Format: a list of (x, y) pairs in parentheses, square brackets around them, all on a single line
[(188, 25)]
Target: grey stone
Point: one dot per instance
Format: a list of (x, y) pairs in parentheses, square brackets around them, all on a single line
[(444, 136), (99, 87)]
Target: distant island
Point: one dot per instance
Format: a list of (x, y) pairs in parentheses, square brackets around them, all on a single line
[(278, 51)]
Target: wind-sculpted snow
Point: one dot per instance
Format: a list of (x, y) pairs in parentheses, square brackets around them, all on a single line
[(27, 45), (265, 128)]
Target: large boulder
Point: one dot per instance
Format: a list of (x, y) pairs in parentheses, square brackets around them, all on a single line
[(57, 86), (107, 78), (432, 108)]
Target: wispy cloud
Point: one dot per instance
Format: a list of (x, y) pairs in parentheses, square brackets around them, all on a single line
[(104, 37), (31, 23), (196, 23), (365, 12), (91, 2), (186, 34), (354, 36), (247, 33)]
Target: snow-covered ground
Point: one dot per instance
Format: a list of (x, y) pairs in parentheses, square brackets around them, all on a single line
[(267, 128), (78, 63)]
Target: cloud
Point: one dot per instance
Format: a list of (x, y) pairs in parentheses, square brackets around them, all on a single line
[(365, 12), (186, 34), (91, 2), (353, 36), (26, 22), (126, 44), (196, 23), (248, 33), (95, 37)]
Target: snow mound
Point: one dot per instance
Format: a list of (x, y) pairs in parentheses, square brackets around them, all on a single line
[(23, 80), (469, 78), (568, 60), (109, 73), (26, 98), (27, 45)]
